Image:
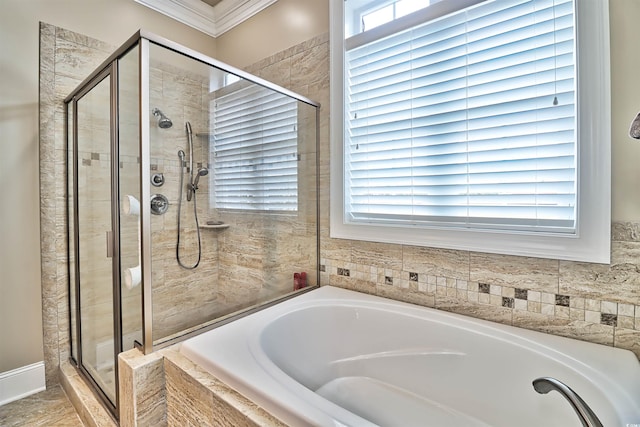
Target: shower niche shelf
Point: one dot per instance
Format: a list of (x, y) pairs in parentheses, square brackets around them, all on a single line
[(216, 226)]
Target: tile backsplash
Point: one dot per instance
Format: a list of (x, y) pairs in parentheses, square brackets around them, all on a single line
[(539, 294), (609, 313)]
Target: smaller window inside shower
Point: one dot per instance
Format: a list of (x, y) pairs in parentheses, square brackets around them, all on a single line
[(254, 148)]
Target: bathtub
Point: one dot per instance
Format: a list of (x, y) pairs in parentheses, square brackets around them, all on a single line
[(333, 357)]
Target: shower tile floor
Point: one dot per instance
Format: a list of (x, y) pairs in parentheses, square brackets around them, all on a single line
[(47, 408)]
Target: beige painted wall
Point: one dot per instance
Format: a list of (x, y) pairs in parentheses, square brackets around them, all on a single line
[(278, 27), (625, 104), (111, 21)]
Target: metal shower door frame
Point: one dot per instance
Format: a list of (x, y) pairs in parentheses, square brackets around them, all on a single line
[(109, 71)]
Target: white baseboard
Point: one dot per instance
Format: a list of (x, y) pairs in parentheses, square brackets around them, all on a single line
[(21, 382)]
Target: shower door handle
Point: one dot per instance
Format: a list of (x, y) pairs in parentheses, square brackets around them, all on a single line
[(109, 244)]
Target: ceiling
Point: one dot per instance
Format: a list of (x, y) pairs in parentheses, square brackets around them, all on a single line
[(212, 17), (212, 3)]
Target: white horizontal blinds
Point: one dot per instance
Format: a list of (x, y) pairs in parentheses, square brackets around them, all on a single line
[(454, 122), (255, 150)]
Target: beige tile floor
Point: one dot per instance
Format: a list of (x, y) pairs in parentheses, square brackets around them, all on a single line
[(47, 408)]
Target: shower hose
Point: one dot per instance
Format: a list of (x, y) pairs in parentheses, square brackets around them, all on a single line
[(195, 214)]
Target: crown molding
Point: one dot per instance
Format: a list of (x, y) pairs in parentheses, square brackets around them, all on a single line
[(230, 13), (213, 21)]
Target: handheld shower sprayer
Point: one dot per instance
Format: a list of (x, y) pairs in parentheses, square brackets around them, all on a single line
[(192, 186), (201, 172)]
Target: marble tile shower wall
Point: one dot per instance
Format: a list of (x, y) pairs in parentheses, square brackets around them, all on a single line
[(182, 298), (591, 302), (66, 58), (251, 261)]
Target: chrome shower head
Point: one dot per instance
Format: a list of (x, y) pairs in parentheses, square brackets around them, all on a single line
[(163, 121)]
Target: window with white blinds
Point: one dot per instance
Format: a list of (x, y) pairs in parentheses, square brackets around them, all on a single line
[(255, 160), (474, 125), (468, 120)]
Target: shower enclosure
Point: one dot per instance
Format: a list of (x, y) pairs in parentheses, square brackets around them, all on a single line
[(192, 199)]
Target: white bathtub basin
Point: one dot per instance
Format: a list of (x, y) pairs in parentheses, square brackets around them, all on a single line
[(334, 357)]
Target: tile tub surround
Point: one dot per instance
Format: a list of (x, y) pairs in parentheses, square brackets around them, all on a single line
[(142, 389), (195, 397), (530, 293), (166, 389)]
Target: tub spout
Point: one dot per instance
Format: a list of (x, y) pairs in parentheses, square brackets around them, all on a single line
[(587, 417)]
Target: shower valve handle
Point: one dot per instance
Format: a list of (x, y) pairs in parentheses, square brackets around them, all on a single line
[(159, 204)]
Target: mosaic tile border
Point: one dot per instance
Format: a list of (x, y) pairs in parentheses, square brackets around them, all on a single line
[(569, 307)]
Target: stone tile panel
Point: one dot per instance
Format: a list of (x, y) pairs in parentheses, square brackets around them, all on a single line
[(436, 262), (521, 272)]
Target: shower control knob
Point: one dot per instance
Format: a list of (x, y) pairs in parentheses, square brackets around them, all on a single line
[(157, 179), (159, 204)]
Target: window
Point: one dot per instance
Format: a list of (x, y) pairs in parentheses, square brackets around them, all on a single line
[(387, 13), (462, 127), (466, 120), (255, 164)]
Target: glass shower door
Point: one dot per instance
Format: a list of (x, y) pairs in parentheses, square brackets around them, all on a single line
[(94, 236)]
